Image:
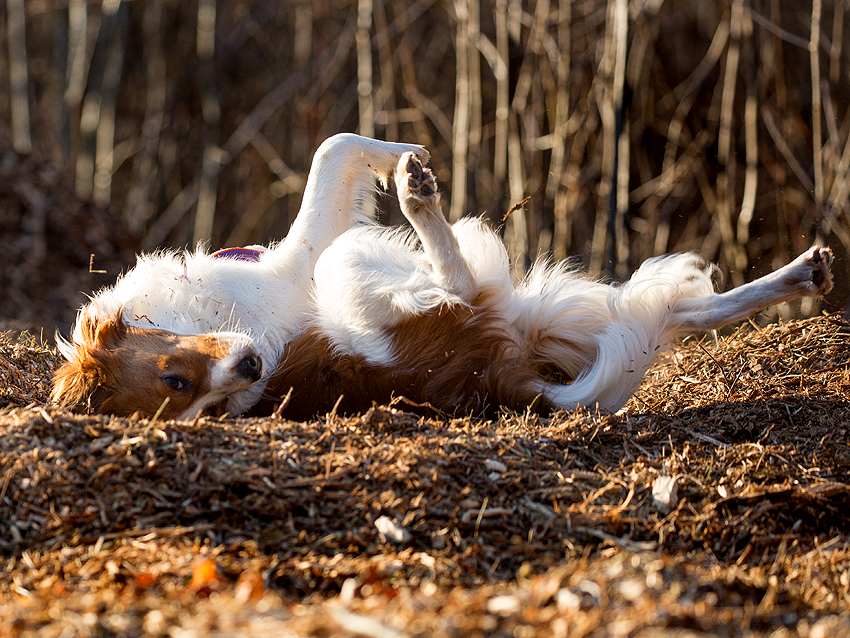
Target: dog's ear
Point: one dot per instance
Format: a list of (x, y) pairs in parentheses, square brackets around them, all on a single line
[(81, 380), (102, 334)]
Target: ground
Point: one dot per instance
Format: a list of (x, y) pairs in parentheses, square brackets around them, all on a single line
[(716, 504)]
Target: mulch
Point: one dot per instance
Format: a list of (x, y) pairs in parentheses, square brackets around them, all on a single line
[(716, 503)]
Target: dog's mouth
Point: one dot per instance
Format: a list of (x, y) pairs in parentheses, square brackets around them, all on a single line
[(216, 410)]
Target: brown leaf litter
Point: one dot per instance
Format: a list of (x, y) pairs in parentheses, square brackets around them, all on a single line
[(716, 503)]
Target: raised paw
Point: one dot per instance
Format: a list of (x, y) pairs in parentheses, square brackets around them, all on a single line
[(812, 270), (415, 180)]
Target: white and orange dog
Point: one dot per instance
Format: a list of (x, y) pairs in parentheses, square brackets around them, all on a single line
[(346, 309)]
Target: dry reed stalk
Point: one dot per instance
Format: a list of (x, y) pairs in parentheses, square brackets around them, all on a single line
[(817, 135), (18, 75), (302, 45), (555, 191), (388, 115), (105, 155), (363, 42), (502, 112), (748, 201), (608, 231), (211, 159), (473, 145), (735, 257), (77, 61), (837, 42), (138, 209), (460, 124), (620, 183)]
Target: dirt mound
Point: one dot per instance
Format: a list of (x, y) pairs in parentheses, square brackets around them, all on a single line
[(719, 499), (48, 236)]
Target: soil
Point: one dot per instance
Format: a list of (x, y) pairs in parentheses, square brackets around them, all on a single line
[(717, 503)]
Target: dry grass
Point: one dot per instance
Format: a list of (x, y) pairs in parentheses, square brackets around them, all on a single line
[(520, 526)]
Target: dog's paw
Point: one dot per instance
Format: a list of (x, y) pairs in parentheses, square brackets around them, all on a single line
[(415, 180), (811, 271)]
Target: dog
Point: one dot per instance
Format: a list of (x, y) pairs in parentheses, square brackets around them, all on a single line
[(431, 315)]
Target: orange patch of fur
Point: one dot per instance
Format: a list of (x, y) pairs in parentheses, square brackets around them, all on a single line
[(455, 359), (118, 369)]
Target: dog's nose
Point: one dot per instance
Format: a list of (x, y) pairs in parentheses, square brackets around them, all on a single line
[(250, 367)]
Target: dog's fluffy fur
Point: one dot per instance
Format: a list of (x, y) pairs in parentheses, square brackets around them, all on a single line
[(431, 314)]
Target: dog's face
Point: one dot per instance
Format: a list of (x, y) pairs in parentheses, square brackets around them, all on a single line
[(116, 368)]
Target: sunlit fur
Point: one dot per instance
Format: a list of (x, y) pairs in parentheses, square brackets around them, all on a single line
[(266, 302), (434, 315)]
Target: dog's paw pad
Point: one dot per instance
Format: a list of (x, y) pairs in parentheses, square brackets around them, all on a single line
[(421, 182)]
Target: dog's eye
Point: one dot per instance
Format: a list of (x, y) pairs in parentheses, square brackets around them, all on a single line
[(175, 383)]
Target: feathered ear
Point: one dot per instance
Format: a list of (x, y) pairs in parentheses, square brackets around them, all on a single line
[(76, 383)]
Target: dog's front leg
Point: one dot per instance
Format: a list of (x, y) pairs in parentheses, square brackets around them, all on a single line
[(806, 276), (339, 188), (420, 203)]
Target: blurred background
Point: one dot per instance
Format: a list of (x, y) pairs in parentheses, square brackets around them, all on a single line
[(611, 131)]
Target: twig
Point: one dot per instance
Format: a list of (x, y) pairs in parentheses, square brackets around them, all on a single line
[(91, 266), (735, 257), (284, 403), (516, 207)]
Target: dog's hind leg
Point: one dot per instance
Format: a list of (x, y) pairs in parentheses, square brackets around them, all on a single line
[(420, 203), (806, 276)]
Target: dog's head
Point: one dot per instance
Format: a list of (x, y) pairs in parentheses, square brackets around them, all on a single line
[(116, 368)]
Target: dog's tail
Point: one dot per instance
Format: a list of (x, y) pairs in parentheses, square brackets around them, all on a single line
[(605, 338)]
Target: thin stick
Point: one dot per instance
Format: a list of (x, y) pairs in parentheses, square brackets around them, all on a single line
[(91, 266), (386, 98), (500, 70), (284, 403), (473, 146)]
